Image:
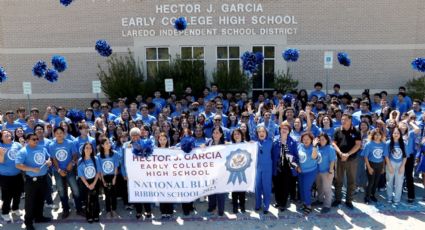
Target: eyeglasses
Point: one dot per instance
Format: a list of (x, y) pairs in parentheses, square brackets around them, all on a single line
[(34, 139), (219, 107)]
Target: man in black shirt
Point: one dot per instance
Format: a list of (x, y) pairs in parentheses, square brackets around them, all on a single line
[(347, 141)]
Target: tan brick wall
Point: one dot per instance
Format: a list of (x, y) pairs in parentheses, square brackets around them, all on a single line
[(27, 24)]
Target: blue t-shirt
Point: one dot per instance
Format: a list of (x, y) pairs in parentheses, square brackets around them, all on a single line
[(396, 155), (63, 153), (34, 158), (87, 168), (375, 152), (8, 167), (325, 156), (108, 164), (79, 143), (307, 163), (409, 143)]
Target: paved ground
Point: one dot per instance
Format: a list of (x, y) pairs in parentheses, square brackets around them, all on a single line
[(377, 216)]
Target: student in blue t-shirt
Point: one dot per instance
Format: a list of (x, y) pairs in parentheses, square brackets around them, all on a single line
[(65, 155), (395, 161), (326, 161), (34, 161), (84, 137), (107, 163), (374, 154), (307, 155), (88, 173), (11, 181)]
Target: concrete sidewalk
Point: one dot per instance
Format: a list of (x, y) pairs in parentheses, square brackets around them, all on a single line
[(374, 216)]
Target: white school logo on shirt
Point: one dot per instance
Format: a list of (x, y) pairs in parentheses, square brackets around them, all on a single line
[(90, 172), (39, 158), (377, 153), (397, 153), (303, 156), (61, 154), (319, 158), (108, 167), (11, 154)]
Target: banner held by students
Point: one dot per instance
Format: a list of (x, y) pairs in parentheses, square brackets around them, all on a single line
[(170, 175)]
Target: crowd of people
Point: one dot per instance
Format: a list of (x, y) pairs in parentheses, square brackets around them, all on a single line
[(307, 143)]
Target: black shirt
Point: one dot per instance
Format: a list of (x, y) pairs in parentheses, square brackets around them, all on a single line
[(346, 140)]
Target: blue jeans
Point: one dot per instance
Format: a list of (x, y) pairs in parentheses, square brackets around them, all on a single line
[(394, 182), (306, 181), (62, 184)]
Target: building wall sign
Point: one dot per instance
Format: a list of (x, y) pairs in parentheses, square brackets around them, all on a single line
[(209, 20)]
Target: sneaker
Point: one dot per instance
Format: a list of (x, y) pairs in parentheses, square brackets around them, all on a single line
[(6, 217), (349, 205), (373, 198), (325, 210), (16, 212), (389, 201), (336, 203), (405, 189)]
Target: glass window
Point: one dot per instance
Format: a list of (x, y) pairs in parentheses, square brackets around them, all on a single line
[(263, 79), (228, 57), (221, 52), (156, 58)]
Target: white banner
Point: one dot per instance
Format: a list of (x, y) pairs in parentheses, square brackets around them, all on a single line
[(170, 175)]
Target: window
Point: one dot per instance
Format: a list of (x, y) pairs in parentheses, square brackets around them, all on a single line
[(264, 77), (228, 57), (193, 59), (192, 53), (155, 59)]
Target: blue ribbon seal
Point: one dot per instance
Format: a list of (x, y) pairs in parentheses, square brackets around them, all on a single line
[(236, 163)]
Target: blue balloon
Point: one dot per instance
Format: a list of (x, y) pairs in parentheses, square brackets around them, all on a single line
[(3, 75), (103, 48), (344, 59), (180, 24)]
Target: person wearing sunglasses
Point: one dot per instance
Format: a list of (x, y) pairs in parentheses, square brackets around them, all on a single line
[(34, 160)]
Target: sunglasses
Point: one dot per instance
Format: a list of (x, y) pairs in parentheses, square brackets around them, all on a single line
[(217, 119), (34, 139)]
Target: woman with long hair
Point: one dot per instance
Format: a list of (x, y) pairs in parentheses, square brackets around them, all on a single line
[(107, 163), (88, 174), (361, 175), (374, 154), (11, 180), (395, 161), (238, 198), (326, 162), (408, 136), (215, 200), (307, 153), (166, 209)]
